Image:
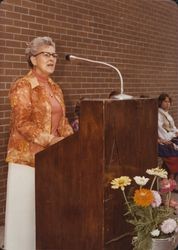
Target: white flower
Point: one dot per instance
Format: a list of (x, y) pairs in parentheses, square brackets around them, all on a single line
[(155, 233), (157, 199), (141, 181), (160, 172), (168, 226)]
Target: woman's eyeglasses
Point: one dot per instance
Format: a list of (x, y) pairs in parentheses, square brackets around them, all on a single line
[(47, 54)]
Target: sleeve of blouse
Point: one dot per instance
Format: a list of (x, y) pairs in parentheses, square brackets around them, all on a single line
[(20, 97), (174, 129), (65, 129), (162, 133)]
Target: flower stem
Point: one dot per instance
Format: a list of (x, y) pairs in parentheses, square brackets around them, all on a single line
[(129, 208), (153, 182), (168, 199)]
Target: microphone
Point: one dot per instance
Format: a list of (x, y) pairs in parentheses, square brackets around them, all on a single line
[(121, 96)]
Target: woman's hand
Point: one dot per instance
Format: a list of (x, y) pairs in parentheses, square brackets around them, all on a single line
[(56, 139), (162, 141)]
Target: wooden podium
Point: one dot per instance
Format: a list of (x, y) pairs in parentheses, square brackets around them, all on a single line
[(75, 206)]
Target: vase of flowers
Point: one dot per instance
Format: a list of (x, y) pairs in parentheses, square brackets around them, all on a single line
[(151, 211), (164, 244)]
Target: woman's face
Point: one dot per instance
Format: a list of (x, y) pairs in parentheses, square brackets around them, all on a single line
[(165, 105), (44, 61)]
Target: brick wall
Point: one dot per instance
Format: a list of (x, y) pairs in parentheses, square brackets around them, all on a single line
[(138, 37)]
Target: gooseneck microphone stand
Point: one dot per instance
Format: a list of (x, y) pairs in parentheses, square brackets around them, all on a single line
[(121, 96)]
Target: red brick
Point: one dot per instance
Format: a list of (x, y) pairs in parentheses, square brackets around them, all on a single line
[(28, 4), (21, 9), (28, 18), (13, 15)]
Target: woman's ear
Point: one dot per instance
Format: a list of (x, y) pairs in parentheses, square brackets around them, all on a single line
[(33, 60)]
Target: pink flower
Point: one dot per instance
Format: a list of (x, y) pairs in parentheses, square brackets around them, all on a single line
[(168, 226), (167, 185), (157, 199), (173, 203)]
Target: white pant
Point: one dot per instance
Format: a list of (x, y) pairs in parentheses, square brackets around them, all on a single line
[(20, 208)]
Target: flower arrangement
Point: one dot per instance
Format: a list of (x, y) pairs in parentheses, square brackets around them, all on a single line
[(151, 212)]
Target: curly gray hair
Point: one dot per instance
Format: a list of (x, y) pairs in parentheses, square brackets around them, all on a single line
[(35, 44)]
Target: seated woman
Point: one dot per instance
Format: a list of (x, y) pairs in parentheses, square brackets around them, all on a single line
[(167, 134), (75, 122)]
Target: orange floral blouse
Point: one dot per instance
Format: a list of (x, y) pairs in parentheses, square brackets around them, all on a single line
[(31, 119)]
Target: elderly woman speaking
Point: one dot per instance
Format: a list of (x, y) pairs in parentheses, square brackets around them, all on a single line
[(38, 121)]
